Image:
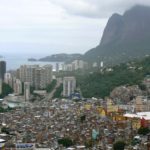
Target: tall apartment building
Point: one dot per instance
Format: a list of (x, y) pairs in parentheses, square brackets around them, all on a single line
[(48, 73), (37, 76), (27, 73), (40, 81), (2, 69), (23, 73), (43, 76), (69, 86), (27, 91)]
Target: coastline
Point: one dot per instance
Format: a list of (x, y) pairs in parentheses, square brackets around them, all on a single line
[(15, 61)]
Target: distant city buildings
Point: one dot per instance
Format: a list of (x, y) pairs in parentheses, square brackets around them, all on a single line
[(94, 65), (31, 75), (78, 64), (2, 69), (69, 86), (38, 77), (75, 65), (99, 65)]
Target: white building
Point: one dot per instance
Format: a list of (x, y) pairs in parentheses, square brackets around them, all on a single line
[(79, 64), (68, 67), (27, 91), (69, 86), (75, 65), (18, 87)]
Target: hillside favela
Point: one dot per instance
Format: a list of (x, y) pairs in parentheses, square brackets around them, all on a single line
[(74, 75)]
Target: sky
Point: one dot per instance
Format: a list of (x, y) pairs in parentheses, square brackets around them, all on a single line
[(45, 27)]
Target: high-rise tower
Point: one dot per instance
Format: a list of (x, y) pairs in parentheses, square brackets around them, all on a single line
[(69, 86), (2, 70)]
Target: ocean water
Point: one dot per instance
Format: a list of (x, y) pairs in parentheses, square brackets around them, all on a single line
[(14, 61)]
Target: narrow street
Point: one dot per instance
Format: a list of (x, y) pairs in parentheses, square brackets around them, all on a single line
[(50, 95)]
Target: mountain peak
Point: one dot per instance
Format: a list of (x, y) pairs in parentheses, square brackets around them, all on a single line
[(125, 37), (115, 16), (138, 10)]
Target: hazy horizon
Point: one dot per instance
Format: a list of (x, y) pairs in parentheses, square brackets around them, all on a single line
[(45, 27)]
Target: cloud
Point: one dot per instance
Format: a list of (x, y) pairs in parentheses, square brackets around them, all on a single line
[(97, 8), (27, 13), (40, 21), (62, 25)]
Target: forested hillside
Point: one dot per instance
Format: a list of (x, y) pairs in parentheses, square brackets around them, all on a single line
[(99, 84)]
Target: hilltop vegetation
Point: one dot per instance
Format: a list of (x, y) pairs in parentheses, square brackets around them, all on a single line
[(6, 89), (99, 84)]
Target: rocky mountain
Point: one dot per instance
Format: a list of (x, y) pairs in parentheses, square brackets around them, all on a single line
[(125, 37), (125, 93)]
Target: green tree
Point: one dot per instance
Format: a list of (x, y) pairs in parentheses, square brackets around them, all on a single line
[(143, 131), (6, 89), (142, 87), (51, 86), (32, 89), (2, 110), (5, 130), (89, 144), (119, 145), (82, 118), (101, 84), (58, 92), (66, 142)]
